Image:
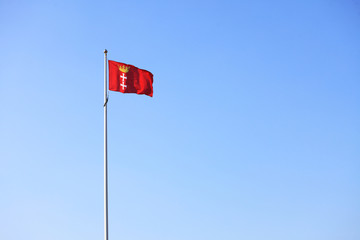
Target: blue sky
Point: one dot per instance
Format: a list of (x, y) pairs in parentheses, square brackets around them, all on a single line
[(253, 131)]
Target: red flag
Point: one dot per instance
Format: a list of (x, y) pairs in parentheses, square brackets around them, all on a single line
[(126, 78)]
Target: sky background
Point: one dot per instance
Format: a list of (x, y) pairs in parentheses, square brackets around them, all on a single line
[(253, 131)]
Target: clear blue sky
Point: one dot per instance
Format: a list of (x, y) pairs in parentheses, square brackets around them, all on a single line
[(253, 131)]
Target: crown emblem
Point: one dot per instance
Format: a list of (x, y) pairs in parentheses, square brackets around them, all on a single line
[(124, 69)]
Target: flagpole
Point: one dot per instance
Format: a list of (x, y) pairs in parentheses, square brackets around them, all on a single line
[(106, 228)]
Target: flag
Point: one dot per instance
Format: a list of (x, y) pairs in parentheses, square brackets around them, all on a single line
[(127, 78)]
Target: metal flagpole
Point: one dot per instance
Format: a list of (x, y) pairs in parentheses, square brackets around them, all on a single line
[(106, 235)]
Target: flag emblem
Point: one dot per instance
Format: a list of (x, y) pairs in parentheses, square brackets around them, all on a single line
[(124, 68)]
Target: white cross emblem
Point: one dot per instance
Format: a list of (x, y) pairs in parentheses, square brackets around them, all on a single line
[(122, 84)]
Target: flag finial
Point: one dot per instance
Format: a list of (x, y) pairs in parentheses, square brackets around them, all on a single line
[(105, 51)]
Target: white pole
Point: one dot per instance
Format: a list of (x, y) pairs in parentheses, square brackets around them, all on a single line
[(106, 235)]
